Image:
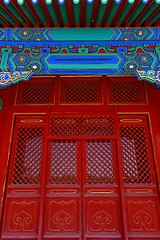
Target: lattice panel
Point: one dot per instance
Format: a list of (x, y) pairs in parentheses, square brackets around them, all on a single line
[(36, 92), (79, 126), (100, 165), (63, 162), (81, 91), (127, 91), (135, 155), (28, 156)]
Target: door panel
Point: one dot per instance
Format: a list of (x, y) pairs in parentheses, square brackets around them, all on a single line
[(62, 200), (101, 190), (142, 215), (141, 197), (65, 180), (21, 215), (21, 211)]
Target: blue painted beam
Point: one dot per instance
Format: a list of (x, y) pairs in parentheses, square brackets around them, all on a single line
[(109, 51)]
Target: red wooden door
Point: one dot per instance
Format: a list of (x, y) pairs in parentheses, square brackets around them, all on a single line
[(82, 177), (102, 203), (139, 178), (22, 203), (62, 212)]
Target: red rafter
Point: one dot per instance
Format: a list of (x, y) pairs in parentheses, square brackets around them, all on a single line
[(157, 23), (6, 24), (82, 13), (95, 12), (82, 23), (58, 12), (70, 12), (125, 20), (135, 23), (118, 12), (157, 10), (108, 8), (23, 14), (46, 13), (17, 23), (34, 13)]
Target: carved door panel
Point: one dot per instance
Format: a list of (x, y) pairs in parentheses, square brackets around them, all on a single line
[(77, 178), (22, 203), (140, 186), (102, 206), (62, 214)]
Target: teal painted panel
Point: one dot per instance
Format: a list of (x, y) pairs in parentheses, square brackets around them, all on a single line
[(109, 51), (82, 34)]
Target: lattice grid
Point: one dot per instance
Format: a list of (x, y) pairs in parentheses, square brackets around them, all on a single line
[(100, 164), (36, 92), (127, 92), (63, 162), (82, 126), (135, 155), (28, 156), (81, 91)]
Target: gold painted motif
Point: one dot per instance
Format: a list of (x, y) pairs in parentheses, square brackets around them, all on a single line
[(142, 216), (22, 216), (62, 216), (102, 216)]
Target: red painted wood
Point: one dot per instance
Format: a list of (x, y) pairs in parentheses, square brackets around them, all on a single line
[(116, 16), (107, 11), (70, 12), (82, 13), (35, 14), (121, 207), (151, 16), (17, 23), (125, 20), (157, 23), (95, 13), (47, 14), (142, 12), (101, 201), (26, 18), (58, 12)]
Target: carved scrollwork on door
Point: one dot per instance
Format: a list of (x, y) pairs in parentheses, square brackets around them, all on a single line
[(142, 216), (62, 216), (22, 220), (143, 219), (102, 219), (22, 216), (101, 216), (62, 221)]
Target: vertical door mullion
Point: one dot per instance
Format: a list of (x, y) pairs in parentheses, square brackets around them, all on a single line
[(83, 182), (79, 175), (43, 177), (121, 179)]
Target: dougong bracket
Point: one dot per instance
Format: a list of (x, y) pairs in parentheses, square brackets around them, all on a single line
[(8, 78), (150, 76)]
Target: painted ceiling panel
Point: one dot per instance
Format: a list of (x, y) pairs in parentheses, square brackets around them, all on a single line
[(80, 13)]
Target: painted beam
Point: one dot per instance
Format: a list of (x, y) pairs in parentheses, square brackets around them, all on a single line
[(104, 51)]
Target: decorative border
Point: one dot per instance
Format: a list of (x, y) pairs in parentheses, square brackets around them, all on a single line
[(149, 76), (79, 34), (8, 78), (111, 51)]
